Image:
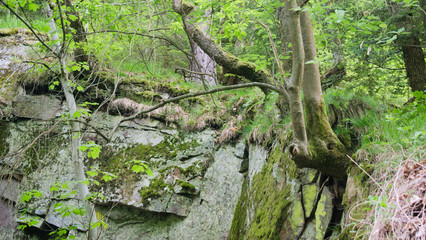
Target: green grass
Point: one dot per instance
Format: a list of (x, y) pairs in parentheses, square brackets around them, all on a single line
[(399, 128), (40, 24)]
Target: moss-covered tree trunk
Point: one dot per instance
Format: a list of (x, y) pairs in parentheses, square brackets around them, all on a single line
[(327, 152), (314, 143)]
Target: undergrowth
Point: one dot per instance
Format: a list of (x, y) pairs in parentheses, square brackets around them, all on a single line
[(388, 181), (39, 24)]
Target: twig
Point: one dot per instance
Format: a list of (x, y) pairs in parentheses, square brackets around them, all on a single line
[(374, 180), (62, 24), (277, 59), (37, 62), (91, 126)]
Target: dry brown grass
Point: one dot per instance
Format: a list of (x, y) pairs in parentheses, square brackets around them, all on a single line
[(399, 209)]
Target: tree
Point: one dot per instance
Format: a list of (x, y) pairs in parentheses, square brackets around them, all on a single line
[(411, 45), (314, 143), (60, 53)]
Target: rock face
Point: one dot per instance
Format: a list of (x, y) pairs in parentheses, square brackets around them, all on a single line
[(280, 201), (36, 107), (151, 181), (191, 194), (197, 190)]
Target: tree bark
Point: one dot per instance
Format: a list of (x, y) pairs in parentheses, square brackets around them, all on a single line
[(299, 146), (201, 62), (232, 63), (327, 153), (415, 65), (76, 157)]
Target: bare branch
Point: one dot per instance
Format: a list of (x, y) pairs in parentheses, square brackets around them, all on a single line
[(63, 25), (143, 35), (189, 95), (91, 126), (29, 27), (37, 62), (277, 59)]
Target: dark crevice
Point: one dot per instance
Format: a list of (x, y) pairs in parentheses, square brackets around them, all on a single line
[(338, 209)]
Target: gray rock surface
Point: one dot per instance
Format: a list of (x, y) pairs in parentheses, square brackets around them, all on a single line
[(36, 107)]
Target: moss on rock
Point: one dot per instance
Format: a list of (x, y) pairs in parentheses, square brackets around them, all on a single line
[(270, 200), (154, 190)]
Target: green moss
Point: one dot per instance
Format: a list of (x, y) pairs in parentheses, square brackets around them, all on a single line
[(115, 162), (153, 191), (150, 95), (239, 222), (186, 185), (270, 199), (309, 197), (8, 31)]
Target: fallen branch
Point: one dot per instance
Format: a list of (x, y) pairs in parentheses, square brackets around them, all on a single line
[(189, 95)]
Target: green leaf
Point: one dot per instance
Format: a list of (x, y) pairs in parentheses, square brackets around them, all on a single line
[(106, 178), (72, 17), (83, 148), (33, 7), (149, 172), (77, 114), (80, 88), (92, 173), (85, 182), (138, 168)]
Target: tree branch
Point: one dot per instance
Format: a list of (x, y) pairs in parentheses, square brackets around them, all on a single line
[(189, 95), (230, 62), (63, 26), (28, 25), (143, 35), (277, 59)]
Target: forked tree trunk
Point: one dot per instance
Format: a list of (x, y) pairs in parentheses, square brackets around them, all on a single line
[(326, 151), (314, 143)]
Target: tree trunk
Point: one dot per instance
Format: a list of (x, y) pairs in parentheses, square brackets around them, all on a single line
[(283, 16), (201, 62), (299, 146), (326, 151), (76, 155), (415, 66), (79, 37), (318, 147), (82, 189)]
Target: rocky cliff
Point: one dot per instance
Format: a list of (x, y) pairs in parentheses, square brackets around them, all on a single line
[(156, 178)]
